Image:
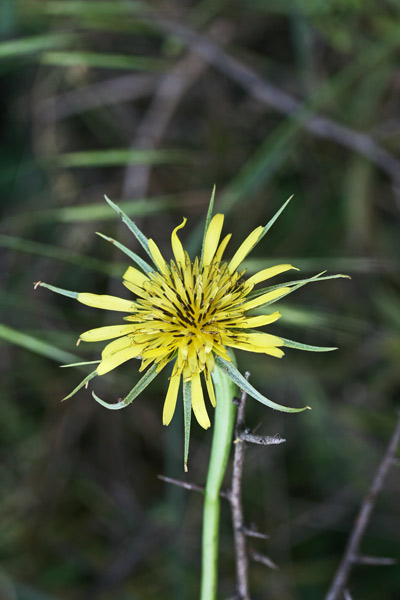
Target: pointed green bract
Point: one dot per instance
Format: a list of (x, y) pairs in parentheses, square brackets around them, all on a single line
[(57, 290), (207, 223), (245, 386), (139, 387), (81, 385), (81, 364), (306, 347), (141, 238), (187, 416), (299, 285), (274, 218), (297, 282), (142, 384), (270, 223), (132, 255)]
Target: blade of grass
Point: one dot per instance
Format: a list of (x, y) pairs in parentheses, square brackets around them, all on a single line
[(119, 156), (33, 344), (103, 61), (61, 254)]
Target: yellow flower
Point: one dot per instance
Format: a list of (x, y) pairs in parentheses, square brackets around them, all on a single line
[(190, 313)]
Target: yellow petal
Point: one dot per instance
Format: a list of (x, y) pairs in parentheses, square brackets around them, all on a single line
[(138, 291), (272, 351), (158, 257), (107, 302), (198, 405), (106, 333), (117, 345), (267, 273), (264, 298), (258, 321), (212, 238), (210, 387), (262, 340), (172, 395), (221, 248), (111, 362), (244, 249), (177, 247), (135, 276)]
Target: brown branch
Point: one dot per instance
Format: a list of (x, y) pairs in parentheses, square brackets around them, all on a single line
[(239, 535), (351, 554), (190, 486), (111, 91), (267, 93), (378, 561), (183, 484)]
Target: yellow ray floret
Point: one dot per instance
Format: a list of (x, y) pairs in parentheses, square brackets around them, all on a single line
[(177, 247), (268, 273), (244, 249), (107, 302), (212, 238)]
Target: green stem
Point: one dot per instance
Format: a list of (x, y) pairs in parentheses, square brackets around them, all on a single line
[(221, 444)]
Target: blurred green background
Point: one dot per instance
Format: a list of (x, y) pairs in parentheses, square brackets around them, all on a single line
[(101, 97)]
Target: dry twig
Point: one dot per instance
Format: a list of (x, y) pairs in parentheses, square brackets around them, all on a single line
[(351, 555), (267, 93)]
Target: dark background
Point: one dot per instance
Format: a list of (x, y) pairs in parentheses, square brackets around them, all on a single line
[(100, 97)]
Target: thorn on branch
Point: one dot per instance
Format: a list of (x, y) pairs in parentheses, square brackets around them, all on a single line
[(183, 484), (250, 532), (191, 486), (264, 560)]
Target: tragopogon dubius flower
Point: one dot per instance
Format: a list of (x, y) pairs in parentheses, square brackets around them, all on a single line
[(190, 313)]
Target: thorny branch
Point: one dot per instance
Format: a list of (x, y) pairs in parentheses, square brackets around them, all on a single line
[(267, 93), (351, 555), (240, 532), (239, 536)]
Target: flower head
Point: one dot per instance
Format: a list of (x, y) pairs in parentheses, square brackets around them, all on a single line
[(190, 313)]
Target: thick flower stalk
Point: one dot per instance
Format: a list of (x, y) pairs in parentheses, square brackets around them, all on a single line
[(190, 313)]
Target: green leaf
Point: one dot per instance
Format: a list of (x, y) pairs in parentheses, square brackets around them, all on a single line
[(30, 45), (29, 342), (103, 60), (139, 387), (62, 254), (187, 415), (307, 347), (142, 207), (245, 386), (132, 255), (119, 156), (57, 290), (88, 8), (82, 384), (141, 238), (207, 223)]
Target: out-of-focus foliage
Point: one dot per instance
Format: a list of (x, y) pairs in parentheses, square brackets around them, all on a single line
[(97, 98)]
